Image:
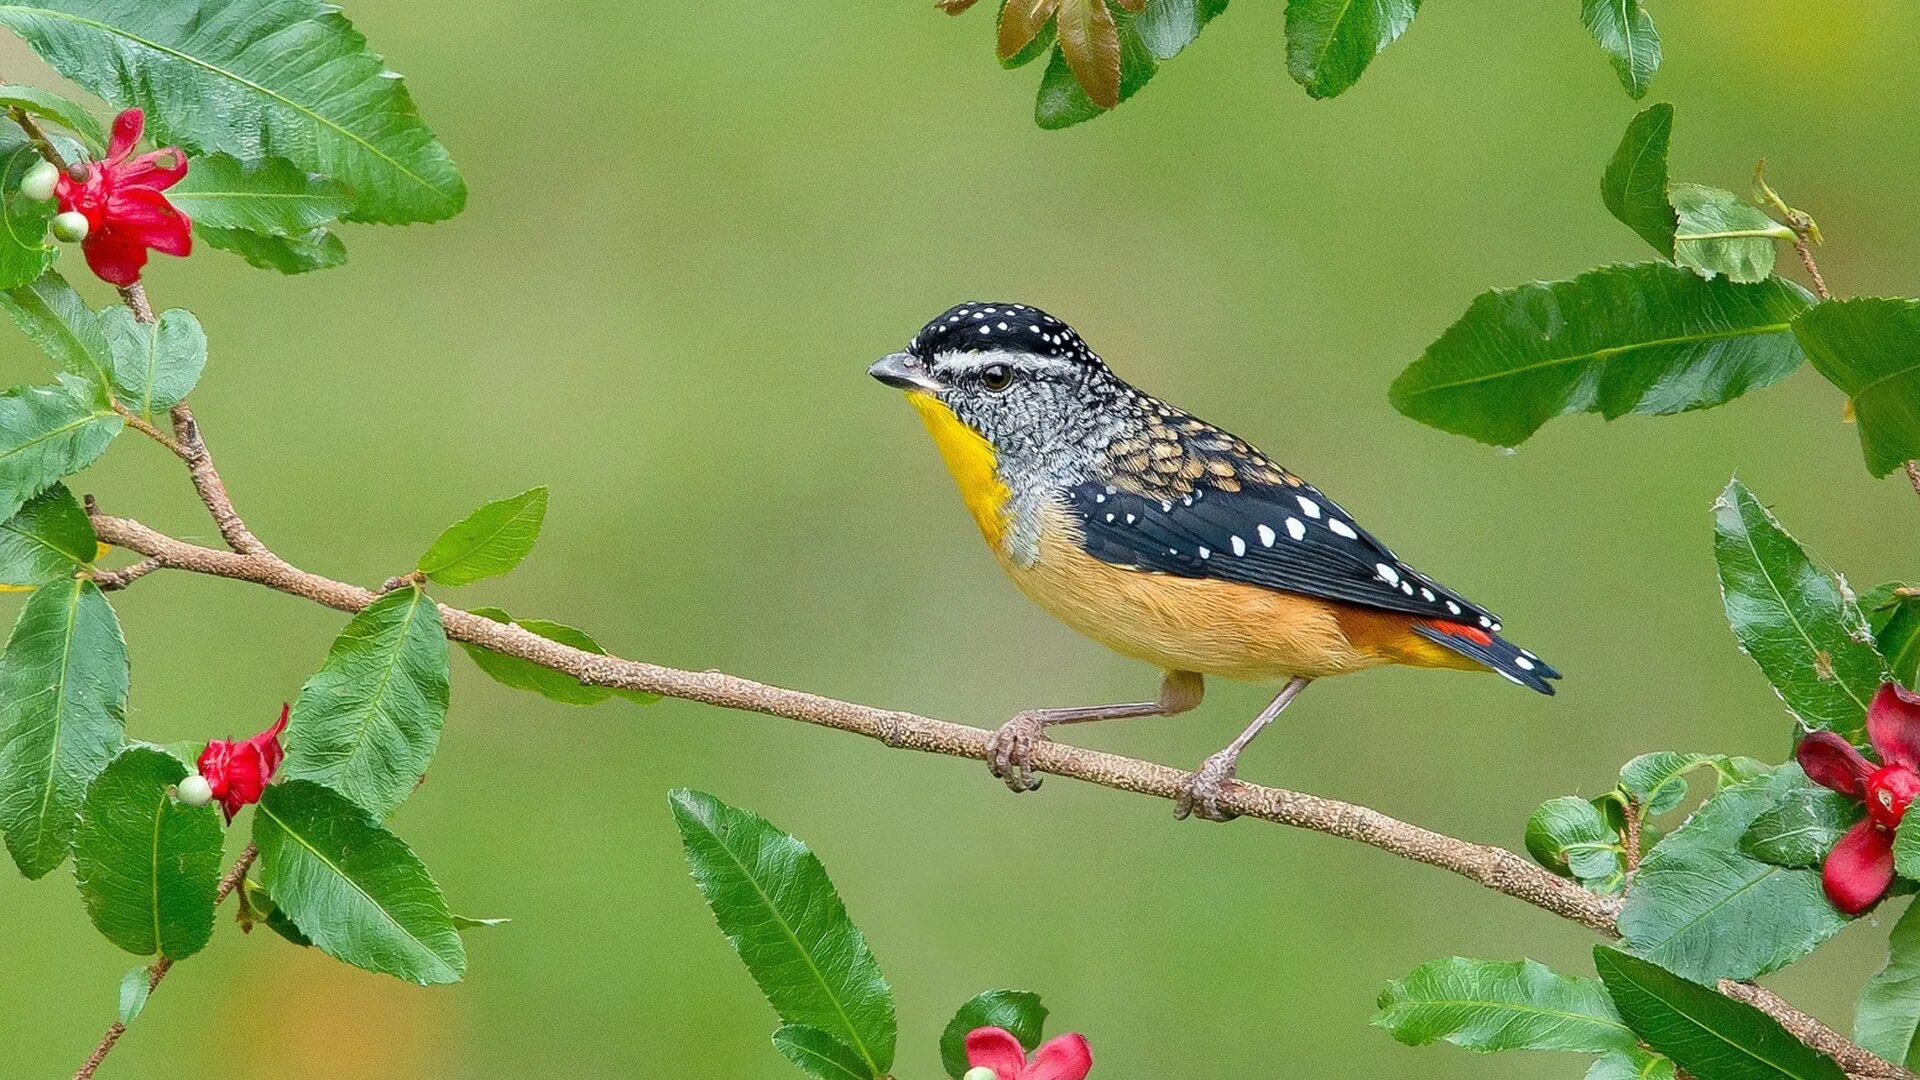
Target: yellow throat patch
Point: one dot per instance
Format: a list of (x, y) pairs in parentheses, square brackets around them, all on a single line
[(971, 459)]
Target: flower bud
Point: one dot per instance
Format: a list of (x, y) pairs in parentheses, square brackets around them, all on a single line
[(981, 1072), (70, 226), (38, 183), (194, 791)]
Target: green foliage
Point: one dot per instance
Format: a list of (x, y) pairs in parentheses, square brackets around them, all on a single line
[(273, 214), (1501, 1005), (1702, 909), (1155, 35), (46, 541), (1634, 187), (1636, 1064), (1893, 611), (25, 250), (491, 540), (1870, 349), (819, 1054), (779, 910), (1906, 853), (1017, 1011), (1646, 338), (147, 864), (1658, 781), (64, 111), (222, 76), (48, 433), (355, 889), (367, 722), (63, 696), (317, 250), (1704, 228), (526, 675), (135, 985), (1331, 42), (1793, 618), (57, 320), (1569, 836), (1802, 827), (1704, 1033), (156, 364), (1625, 31), (1886, 1020), (261, 908)]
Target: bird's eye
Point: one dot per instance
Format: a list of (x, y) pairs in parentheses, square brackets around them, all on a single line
[(996, 377)]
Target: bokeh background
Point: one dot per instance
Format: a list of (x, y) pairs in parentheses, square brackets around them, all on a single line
[(691, 227)]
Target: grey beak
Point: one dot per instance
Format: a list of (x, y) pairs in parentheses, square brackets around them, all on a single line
[(903, 371)]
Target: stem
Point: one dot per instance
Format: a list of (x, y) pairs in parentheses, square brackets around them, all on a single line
[(1776, 233), (38, 136), (135, 296)]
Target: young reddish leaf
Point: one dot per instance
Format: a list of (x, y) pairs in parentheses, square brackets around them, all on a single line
[(954, 7), (1091, 44), (1135, 6), (1020, 23)]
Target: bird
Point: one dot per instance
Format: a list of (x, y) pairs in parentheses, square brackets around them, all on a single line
[(1165, 538)]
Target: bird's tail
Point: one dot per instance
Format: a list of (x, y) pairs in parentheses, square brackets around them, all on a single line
[(1497, 653)]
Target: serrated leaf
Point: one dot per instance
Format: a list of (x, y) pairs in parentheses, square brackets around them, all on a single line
[(779, 910), (1801, 828), (156, 364), (291, 78), (1793, 618), (1500, 1005), (48, 433), (25, 250), (1643, 338), (1040, 46), (468, 922), (1018, 1012), (1634, 187), (1331, 42), (135, 985), (273, 197), (356, 890), (1568, 836), (1719, 233), (527, 675), (1635, 1064), (819, 1054), (1870, 348), (54, 316), (64, 111), (1704, 1033), (1062, 102), (63, 694), (367, 723), (269, 914), (1625, 32), (491, 540), (147, 864), (1168, 26), (1658, 781), (46, 541), (317, 250), (1886, 1019), (1702, 909), (1906, 853), (1893, 611)]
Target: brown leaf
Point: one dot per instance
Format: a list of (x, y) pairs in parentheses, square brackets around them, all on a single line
[(955, 7), (1135, 6), (1020, 23), (1092, 46)]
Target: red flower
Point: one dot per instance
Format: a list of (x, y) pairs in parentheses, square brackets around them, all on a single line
[(121, 200), (1860, 867), (1064, 1058), (238, 771)]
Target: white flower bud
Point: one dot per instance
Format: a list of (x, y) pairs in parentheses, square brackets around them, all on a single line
[(981, 1072), (38, 183), (70, 226), (194, 791)]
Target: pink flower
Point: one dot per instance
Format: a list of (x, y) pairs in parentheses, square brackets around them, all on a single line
[(122, 202), (238, 771), (1860, 868), (1063, 1058)]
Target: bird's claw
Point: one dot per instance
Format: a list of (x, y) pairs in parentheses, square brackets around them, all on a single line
[(1202, 791), (1010, 751)]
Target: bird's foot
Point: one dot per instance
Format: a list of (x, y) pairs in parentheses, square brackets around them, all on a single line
[(1202, 791), (1010, 750)]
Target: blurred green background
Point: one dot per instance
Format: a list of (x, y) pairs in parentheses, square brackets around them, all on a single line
[(692, 226)]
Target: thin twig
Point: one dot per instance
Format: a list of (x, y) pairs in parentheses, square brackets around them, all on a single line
[(1855, 1060), (1631, 844), (1913, 475), (109, 580), (135, 296), (192, 448), (38, 136), (139, 423)]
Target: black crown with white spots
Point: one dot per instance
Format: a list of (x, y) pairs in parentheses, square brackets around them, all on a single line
[(980, 326)]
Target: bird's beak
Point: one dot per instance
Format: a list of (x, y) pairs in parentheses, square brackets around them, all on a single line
[(904, 371)]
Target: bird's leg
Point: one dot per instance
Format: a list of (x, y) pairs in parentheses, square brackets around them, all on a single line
[(1203, 789), (1010, 750)]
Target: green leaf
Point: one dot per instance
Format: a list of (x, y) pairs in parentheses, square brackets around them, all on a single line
[(1801, 828), (1500, 1005), (1793, 618), (1719, 233), (1330, 42), (54, 316), (1893, 611), (1017, 1011), (25, 250), (1646, 338), (491, 540), (819, 1054), (1062, 102), (135, 985), (1168, 26), (1625, 31), (156, 364), (147, 864), (1705, 911), (468, 922), (1033, 50), (260, 901), (47, 433), (291, 78), (46, 541), (1704, 1033), (356, 890), (317, 250), (1870, 349), (273, 197), (1906, 853), (1658, 781), (367, 723), (66, 112), (526, 675), (1568, 836), (1634, 186), (63, 696), (1887, 1018), (1635, 1064), (773, 900)]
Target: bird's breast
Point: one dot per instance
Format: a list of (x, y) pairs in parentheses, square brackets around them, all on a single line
[(974, 464)]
